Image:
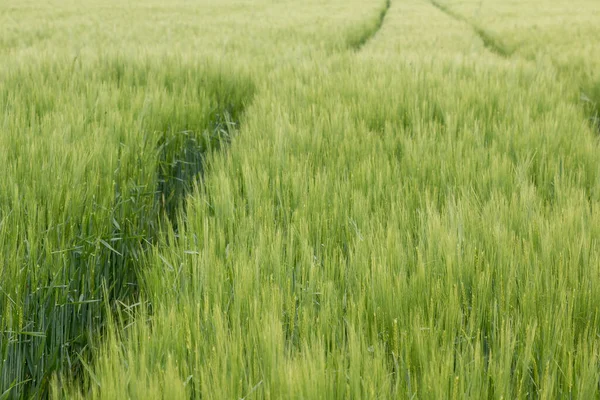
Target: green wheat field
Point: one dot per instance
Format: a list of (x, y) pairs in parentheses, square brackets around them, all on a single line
[(299, 199)]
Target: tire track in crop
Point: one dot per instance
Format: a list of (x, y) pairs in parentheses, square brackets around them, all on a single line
[(102, 261), (590, 95), (490, 42), (358, 42)]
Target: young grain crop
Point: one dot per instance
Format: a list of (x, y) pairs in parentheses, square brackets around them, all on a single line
[(411, 219), (107, 119)]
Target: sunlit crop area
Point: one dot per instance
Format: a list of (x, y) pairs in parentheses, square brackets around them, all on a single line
[(275, 199)]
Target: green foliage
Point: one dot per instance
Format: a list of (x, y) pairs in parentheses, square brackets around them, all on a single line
[(338, 199), (76, 223)]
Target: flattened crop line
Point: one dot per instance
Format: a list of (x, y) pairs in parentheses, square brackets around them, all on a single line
[(490, 42), (182, 159), (591, 99), (65, 297), (358, 42)]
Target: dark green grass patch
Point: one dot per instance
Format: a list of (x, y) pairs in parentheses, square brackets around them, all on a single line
[(68, 258)]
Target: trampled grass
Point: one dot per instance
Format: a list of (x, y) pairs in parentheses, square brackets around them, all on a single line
[(255, 199)]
